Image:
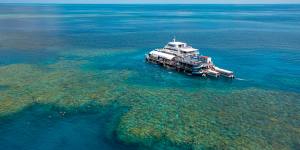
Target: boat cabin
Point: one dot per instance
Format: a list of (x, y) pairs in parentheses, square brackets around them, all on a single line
[(181, 48)]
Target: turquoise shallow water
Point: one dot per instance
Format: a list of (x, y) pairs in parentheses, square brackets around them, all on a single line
[(74, 77)]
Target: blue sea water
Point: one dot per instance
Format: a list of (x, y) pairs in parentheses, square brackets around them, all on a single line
[(260, 43)]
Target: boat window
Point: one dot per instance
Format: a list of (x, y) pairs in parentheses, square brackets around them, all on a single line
[(171, 45), (181, 45)]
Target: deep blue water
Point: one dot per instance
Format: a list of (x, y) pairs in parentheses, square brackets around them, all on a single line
[(41, 127), (260, 43)]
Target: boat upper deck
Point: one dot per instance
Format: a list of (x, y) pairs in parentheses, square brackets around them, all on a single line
[(180, 47)]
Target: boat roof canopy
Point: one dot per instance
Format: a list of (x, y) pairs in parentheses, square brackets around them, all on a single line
[(163, 55), (177, 43)]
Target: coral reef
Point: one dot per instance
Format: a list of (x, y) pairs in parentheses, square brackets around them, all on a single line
[(247, 119), (62, 84), (157, 117)]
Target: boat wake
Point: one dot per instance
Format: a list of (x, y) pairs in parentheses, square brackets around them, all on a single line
[(240, 79)]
